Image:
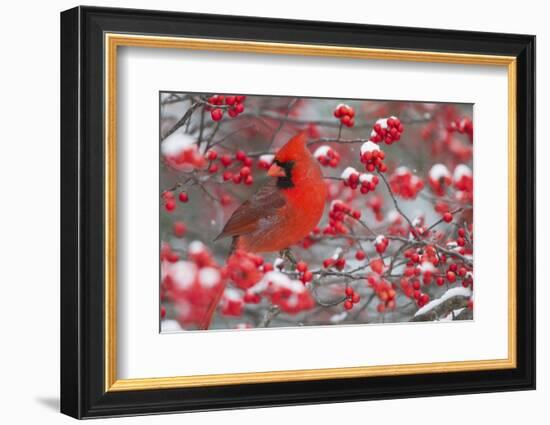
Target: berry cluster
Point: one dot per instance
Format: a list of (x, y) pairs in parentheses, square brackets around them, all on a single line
[(231, 303), (384, 291), (337, 261), (337, 214), (405, 184), (346, 114), (190, 284), (289, 295), (463, 181), (387, 130), (372, 156), (170, 200), (242, 175), (411, 289), (233, 104), (327, 156), (180, 152), (305, 274), (439, 179), (244, 269), (463, 126), (352, 298), (381, 244), (353, 179)]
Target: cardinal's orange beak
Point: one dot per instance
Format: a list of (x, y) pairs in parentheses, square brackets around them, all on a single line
[(276, 171)]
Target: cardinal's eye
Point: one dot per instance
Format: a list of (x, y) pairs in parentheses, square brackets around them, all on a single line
[(285, 182)]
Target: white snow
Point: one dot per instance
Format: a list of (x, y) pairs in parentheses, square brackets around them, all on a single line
[(169, 326), (279, 263), (209, 277), (449, 317), (337, 253), (321, 151), (380, 239), (461, 170), (348, 172), (453, 292), (232, 294), (439, 171), (337, 318), (417, 221), (427, 266), (267, 158), (365, 177), (183, 273), (341, 105), (383, 122), (196, 247), (401, 171), (176, 143), (278, 280), (368, 147), (393, 215)]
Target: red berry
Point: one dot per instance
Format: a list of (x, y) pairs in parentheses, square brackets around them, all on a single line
[(349, 291), (355, 298), (179, 229), (451, 276), (348, 305), (211, 155), (183, 197), (307, 277), (162, 312), (226, 160), (447, 217), (225, 200), (328, 263), (301, 266), (360, 255), (170, 205), (216, 114), (248, 180), (245, 171), (167, 195)]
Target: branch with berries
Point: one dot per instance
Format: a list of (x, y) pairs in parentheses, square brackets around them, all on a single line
[(382, 252)]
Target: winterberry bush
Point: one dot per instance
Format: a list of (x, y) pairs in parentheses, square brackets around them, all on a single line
[(395, 243)]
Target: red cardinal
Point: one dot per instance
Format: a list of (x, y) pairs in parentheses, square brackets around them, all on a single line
[(282, 212), (286, 209)]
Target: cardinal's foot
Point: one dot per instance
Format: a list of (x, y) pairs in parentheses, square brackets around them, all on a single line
[(287, 254)]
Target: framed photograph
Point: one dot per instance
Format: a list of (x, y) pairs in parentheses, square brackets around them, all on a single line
[(261, 212)]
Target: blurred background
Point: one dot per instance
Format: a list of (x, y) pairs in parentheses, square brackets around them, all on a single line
[(206, 139)]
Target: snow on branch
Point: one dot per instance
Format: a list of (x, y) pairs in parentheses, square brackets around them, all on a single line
[(453, 299)]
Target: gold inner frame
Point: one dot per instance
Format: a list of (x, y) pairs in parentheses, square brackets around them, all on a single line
[(113, 41)]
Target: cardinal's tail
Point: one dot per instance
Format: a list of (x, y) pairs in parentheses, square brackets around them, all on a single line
[(209, 315), (204, 324)]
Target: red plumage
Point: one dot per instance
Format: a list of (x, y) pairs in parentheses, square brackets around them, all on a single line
[(282, 212), (285, 210)]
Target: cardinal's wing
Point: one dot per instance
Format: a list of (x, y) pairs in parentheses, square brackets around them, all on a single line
[(264, 204)]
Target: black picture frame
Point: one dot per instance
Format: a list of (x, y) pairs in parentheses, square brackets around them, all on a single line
[(82, 219)]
